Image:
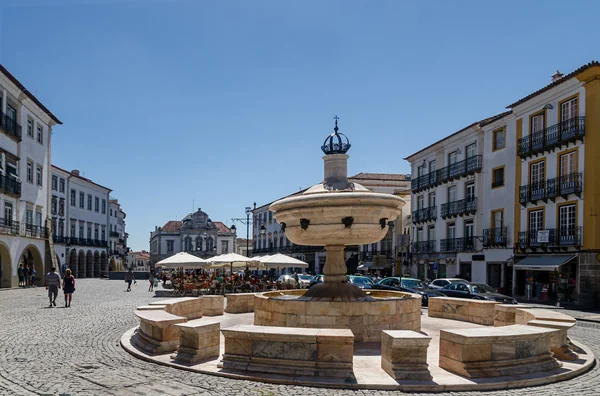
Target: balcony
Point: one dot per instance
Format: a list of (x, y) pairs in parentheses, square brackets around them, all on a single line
[(57, 239), (10, 127), (423, 246), (113, 234), (10, 227), (562, 186), (451, 172), (34, 231), (568, 131), (457, 244), (557, 238), (9, 185), (459, 208), (495, 237), (424, 215)]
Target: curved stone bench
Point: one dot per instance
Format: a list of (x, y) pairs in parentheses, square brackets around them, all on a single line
[(213, 305), (189, 307), (157, 332), (151, 308), (523, 316), (289, 351), (497, 351), (404, 354), (504, 314), (463, 309), (559, 341), (199, 340), (240, 302)]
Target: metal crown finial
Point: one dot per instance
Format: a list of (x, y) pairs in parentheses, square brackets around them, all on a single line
[(336, 143), (336, 118)]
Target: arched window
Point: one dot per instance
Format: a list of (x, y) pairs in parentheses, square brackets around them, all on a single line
[(198, 243), (209, 244), (187, 244), (281, 241)]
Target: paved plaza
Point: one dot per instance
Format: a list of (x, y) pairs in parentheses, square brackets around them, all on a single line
[(76, 351)]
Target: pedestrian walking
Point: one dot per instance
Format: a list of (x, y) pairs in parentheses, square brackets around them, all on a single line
[(68, 287), (52, 285), (151, 280), (32, 275), (129, 277)]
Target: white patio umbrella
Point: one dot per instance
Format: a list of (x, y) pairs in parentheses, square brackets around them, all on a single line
[(182, 260), (233, 260), (282, 261)]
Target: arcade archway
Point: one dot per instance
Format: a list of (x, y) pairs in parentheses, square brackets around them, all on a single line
[(5, 266)]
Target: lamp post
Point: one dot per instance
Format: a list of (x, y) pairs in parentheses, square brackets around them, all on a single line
[(247, 222)]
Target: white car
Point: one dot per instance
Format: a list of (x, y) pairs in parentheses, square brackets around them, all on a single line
[(441, 282), (304, 281)]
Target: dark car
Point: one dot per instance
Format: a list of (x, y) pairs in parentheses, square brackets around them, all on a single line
[(409, 285), (361, 281), (477, 291), (315, 280)]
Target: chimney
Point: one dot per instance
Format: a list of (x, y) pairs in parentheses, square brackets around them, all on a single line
[(75, 172), (557, 76)]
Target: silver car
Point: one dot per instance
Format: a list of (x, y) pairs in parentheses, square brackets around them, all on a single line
[(442, 282)]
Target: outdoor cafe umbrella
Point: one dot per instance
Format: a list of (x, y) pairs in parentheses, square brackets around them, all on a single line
[(182, 260), (282, 261), (233, 260)]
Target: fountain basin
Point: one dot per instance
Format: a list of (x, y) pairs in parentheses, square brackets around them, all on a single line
[(366, 317)]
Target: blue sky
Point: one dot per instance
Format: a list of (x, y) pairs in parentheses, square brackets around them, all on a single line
[(226, 103)]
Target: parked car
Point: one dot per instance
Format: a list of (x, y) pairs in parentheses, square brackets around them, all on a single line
[(478, 291), (441, 282), (361, 281), (315, 280), (409, 285), (287, 279), (304, 281)]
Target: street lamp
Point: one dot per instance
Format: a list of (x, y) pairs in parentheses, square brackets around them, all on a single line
[(247, 222)]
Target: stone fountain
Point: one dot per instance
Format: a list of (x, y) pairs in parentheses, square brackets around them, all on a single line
[(337, 213), (334, 214)]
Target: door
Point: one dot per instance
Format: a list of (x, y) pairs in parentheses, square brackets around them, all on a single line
[(537, 131), (567, 221), (431, 239), (431, 166), (432, 200), (568, 173), (419, 234), (536, 223), (537, 173), (420, 201), (470, 196), (469, 240), (498, 219), (569, 124), (452, 194), (471, 150), (452, 158), (8, 213), (451, 235)]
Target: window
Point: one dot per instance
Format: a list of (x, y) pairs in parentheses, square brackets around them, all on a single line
[(451, 193), (61, 228), (73, 197), (82, 200), (420, 201), (536, 222), (452, 158), (54, 205), (111, 212), (498, 177), (432, 199), (61, 185), (421, 170), (170, 247), (499, 138), (537, 173), (96, 231), (89, 202), (30, 171), (29, 217), (470, 191), (29, 127), (537, 123), (568, 164), (11, 168), (451, 234), (38, 219), (54, 183), (469, 241), (40, 134), (567, 222), (270, 217), (72, 230), (81, 234), (224, 247), (38, 175), (104, 206), (61, 207), (8, 213), (431, 233), (569, 110), (89, 231), (432, 166), (419, 234), (498, 218), (96, 204), (471, 150)]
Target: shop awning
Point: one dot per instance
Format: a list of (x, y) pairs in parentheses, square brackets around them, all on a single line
[(544, 262)]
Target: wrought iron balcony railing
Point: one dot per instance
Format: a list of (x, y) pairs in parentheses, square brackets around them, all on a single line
[(554, 136), (451, 172), (424, 246), (113, 234), (10, 227), (10, 126), (9, 185), (459, 208), (34, 231), (448, 245), (495, 237), (557, 237), (457, 244), (424, 215), (550, 189)]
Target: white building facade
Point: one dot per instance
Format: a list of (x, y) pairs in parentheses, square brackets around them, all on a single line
[(117, 236), (25, 147), (81, 231)]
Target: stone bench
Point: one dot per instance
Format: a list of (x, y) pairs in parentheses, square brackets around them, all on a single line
[(404, 354), (463, 309), (559, 341), (497, 351), (289, 351), (189, 307), (151, 308), (240, 302), (199, 339), (504, 314), (523, 316), (213, 305), (157, 332)]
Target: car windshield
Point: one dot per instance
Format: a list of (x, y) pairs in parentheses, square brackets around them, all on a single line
[(361, 280), (482, 288), (413, 284), (305, 277)]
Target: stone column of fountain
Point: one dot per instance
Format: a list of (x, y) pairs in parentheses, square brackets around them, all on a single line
[(336, 213)]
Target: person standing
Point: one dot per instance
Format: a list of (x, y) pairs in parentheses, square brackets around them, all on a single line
[(68, 287), (20, 274), (129, 277), (32, 275), (52, 285), (151, 280), (26, 275)]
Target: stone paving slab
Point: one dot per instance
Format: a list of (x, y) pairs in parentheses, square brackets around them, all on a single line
[(76, 351)]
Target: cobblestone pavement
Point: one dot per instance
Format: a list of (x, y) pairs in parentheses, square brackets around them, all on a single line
[(76, 351)]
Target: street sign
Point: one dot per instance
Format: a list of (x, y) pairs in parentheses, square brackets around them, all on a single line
[(543, 236), (435, 266)]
